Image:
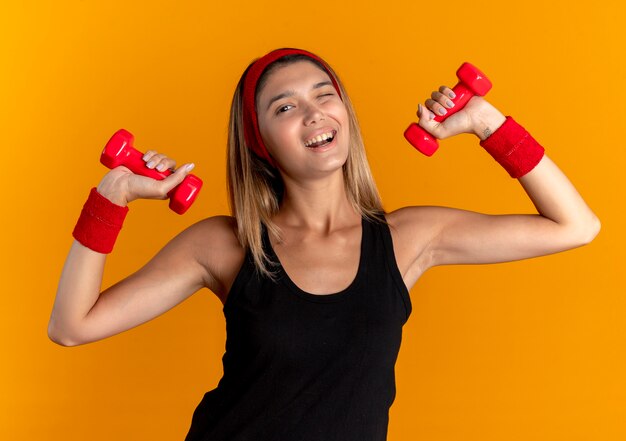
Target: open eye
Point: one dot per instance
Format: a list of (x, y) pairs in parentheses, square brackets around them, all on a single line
[(283, 109)]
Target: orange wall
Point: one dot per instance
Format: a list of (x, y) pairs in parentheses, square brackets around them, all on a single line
[(531, 350)]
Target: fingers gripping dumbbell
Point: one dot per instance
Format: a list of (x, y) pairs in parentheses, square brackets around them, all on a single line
[(120, 151), (471, 82)]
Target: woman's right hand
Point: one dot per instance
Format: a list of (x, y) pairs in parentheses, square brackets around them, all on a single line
[(122, 186)]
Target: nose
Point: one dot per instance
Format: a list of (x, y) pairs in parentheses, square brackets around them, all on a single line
[(313, 114)]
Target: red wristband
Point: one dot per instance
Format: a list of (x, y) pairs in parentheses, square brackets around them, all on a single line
[(99, 223), (513, 147)]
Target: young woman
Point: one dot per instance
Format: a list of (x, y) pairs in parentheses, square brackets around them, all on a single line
[(313, 274)]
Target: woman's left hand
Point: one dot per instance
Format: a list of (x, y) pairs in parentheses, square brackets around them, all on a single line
[(478, 116)]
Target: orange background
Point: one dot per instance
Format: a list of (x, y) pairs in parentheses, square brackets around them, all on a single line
[(532, 350)]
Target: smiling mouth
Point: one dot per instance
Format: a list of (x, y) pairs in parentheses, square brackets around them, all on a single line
[(321, 140)]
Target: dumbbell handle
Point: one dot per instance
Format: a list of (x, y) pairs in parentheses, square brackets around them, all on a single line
[(132, 159), (119, 151), (463, 95)]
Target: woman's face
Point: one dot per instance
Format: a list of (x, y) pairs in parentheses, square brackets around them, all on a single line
[(303, 121)]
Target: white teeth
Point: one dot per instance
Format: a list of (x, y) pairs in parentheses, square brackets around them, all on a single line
[(319, 138)]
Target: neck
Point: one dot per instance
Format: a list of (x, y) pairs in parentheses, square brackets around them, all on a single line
[(320, 205)]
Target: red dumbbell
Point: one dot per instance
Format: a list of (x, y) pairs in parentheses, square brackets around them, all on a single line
[(120, 151), (471, 82)]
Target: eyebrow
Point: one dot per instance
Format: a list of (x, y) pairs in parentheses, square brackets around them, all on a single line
[(289, 93)]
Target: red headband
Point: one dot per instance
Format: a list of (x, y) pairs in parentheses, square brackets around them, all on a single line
[(251, 131)]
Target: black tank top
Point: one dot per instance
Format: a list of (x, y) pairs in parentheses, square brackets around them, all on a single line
[(306, 367)]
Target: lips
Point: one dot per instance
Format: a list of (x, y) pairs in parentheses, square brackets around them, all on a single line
[(321, 139)]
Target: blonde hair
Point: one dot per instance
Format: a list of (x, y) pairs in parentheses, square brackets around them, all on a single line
[(255, 187)]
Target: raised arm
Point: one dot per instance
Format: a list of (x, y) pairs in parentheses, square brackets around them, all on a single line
[(83, 314), (430, 236)]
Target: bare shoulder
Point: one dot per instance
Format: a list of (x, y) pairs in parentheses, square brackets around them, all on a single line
[(214, 244), (407, 222), (217, 230)]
